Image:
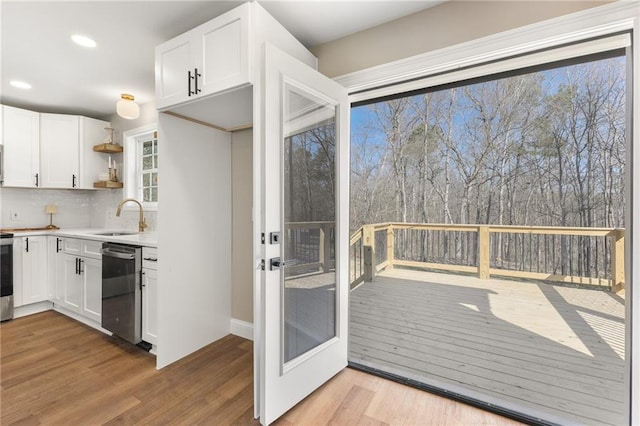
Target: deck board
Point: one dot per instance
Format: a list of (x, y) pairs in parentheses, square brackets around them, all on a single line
[(547, 350)]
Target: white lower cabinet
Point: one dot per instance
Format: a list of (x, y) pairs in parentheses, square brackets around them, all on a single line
[(150, 306), (55, 268), (150, 295), (81, 276), (91, 271), (71, 297), (34, 269)]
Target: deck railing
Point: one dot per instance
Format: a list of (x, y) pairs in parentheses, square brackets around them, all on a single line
[(588, 256), (309, 246)]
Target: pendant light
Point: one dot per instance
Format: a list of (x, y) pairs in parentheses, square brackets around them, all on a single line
[(127, 108)]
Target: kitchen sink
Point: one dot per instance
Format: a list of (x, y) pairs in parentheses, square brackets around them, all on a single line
[(115, 233)]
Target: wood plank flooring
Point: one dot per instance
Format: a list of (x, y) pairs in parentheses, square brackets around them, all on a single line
[(546, 350), (54, 370)]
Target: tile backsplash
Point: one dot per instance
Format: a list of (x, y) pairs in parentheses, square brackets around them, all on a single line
[(76, 209)]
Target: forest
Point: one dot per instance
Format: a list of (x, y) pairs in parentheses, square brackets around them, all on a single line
[(540, 148)]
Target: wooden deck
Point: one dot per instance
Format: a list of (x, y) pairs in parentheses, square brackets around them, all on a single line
[(545, 350)]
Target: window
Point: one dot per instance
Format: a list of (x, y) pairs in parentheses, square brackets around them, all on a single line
[(141, 165), (542, 148), (147, 167)]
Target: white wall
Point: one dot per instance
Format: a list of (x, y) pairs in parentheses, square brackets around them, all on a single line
[(194, 237)]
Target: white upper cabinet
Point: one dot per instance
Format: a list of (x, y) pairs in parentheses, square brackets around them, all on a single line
[(207, 74), (21, 139), (92, 163), (211, 58), (51, 150), (59, 153), (67, 159)]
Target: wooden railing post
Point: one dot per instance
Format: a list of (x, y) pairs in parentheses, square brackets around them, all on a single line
[(617, 261), (325, 247), (369, 247), (390, 246), (484, 252)]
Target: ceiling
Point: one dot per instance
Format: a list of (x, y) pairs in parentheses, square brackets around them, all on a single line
[(67, 78)]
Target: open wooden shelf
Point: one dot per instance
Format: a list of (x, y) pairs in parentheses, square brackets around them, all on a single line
[(108, 148), (107, 184)]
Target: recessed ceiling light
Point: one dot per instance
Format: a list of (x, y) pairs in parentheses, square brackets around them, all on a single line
[(83, 40), (20, 84)]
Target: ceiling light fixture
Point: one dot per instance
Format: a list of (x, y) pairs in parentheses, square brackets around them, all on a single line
[(127, 108), (83, 40), (20, 84)]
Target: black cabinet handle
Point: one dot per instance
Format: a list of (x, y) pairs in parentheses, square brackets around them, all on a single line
[(73, 181), (77, 266), (150, 259), (58, 245), (196, 75), (37, 179), (26, 241), (189, 78), (80, 270)]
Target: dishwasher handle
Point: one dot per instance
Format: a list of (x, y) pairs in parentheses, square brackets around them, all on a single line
[(118, 255)]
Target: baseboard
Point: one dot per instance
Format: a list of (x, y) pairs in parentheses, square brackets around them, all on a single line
[(32, 308), (242, 328)]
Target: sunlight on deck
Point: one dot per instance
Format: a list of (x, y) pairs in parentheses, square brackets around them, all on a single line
[(534, 347)]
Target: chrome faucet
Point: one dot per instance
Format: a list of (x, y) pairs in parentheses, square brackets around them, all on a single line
[(142, 223)]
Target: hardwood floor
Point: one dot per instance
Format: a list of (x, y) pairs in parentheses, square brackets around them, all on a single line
[(54, 370)]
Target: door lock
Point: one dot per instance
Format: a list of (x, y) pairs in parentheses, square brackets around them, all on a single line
[(274, 238)]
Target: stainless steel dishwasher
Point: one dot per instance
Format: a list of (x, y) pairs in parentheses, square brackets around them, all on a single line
[(121, 290)]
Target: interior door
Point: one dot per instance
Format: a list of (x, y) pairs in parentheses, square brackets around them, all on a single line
[(304, 292)]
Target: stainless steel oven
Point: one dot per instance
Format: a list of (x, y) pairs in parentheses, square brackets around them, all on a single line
[(122, 291), (6, 276)]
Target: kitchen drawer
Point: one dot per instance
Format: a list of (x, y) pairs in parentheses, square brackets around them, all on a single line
[(150, 258), (72, 246), (92, 249)]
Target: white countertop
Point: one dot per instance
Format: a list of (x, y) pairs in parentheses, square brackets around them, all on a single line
[(147, 239)]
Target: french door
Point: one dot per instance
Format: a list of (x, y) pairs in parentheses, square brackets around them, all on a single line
[(304, 285)]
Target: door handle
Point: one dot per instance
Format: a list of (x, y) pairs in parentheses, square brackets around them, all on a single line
[(276, 263), (195, 76), (58, 245), (73, 181), (26, 241), (77, 267), (80, 270), (37, 179)]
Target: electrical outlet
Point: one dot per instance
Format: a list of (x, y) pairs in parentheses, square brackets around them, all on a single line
[(14, 215)]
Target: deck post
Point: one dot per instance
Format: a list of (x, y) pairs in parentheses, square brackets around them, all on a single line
[(484, 252), (617, 261), (369, 247), (390, 247), (325, 247)]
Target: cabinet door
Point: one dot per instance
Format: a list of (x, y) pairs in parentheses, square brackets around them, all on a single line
[(72, 296), (21, 137), (59, 150), (17, 271), (92, 163), (91, 271), (224, 45), (150, 306), (211, 58), (34, 267), (55, 261), (174, 62)]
